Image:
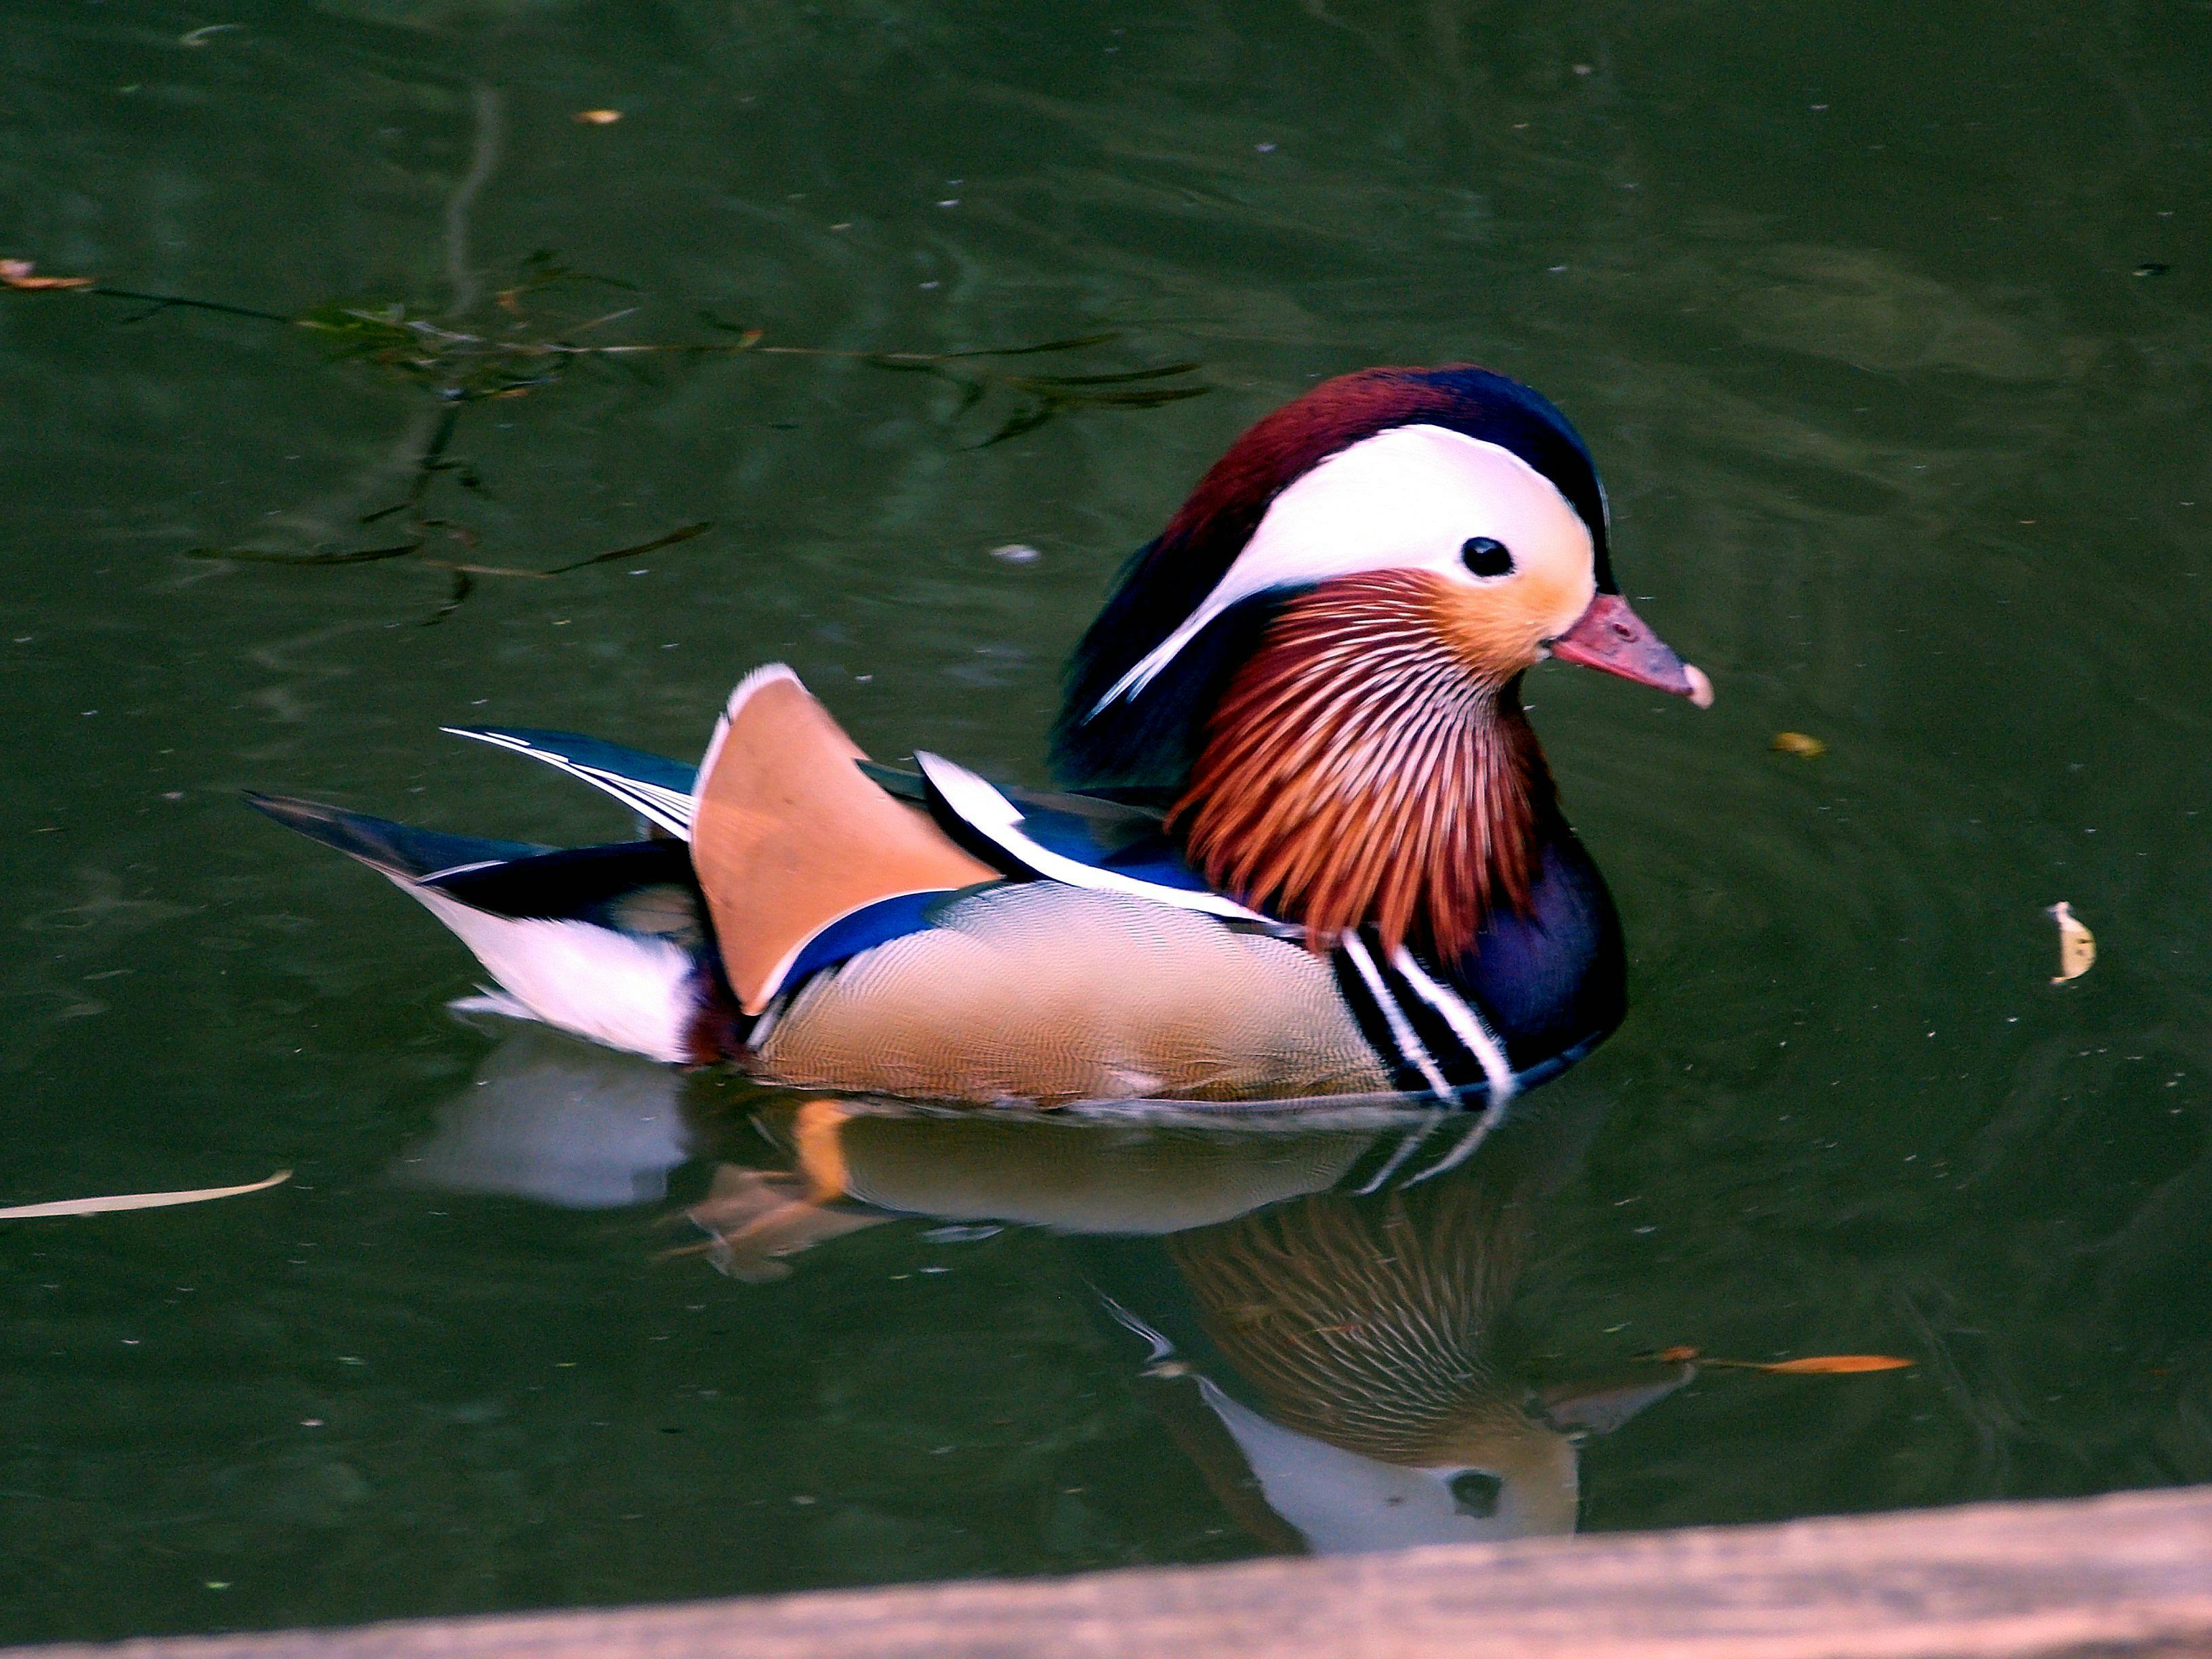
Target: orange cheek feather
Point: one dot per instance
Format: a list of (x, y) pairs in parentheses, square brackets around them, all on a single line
[(1498, 632), (1359, 769)]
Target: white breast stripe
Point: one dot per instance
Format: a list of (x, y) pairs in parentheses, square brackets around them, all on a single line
[(1161, 1347), (1479, 1133), (1466, 1024), (1405, 1150), (1409, 1046)]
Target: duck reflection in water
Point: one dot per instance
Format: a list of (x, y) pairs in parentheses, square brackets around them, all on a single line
[(1313, 1306)]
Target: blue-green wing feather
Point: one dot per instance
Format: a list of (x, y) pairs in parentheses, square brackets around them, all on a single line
[(656, 788)]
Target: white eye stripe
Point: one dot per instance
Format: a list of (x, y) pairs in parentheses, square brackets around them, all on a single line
[(1408, 498)]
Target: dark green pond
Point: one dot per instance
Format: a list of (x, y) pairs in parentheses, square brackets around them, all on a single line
[(1889, 327)]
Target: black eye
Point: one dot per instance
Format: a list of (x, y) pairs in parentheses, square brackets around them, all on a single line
[(1476, 1493), (1485, 557)]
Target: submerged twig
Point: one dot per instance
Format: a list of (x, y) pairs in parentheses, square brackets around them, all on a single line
[(458, 361), (158, 303), (428, 464), (465, 583), (274, 555), (653, 546)]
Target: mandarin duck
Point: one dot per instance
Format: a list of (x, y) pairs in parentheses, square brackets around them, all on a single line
[(1312, 1307), (1310, 845)]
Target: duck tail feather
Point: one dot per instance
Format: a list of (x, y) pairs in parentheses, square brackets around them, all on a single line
[(603, 942), (633, 887), (399, 850)]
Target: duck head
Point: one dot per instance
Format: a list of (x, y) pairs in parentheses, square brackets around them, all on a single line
[(1317, 663), (1314, 1307), (1352, 1353)]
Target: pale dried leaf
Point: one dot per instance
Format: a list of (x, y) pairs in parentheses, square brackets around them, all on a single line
[(18, 274), (136, 1200)]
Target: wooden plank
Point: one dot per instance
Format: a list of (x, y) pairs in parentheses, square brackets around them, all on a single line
[(2126, 1575)]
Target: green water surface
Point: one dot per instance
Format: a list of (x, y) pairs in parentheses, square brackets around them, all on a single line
[(1888, 324)]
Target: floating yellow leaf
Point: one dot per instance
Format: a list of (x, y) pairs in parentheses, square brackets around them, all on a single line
[(1825, 1365), (599, 117), (1833, 1364), (2077, 946), (1798, 743), (17, 274), (136, 1200)]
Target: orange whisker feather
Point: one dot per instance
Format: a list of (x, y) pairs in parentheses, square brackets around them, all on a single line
[(1359, 771)]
